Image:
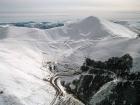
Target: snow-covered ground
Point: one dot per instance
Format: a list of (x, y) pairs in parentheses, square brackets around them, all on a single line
[(20, 73), (22, 51)]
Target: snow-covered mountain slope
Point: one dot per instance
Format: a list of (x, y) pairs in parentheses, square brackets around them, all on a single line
[(20, 73), (94, 38), (118, 29), (21, 55), (92, 28)]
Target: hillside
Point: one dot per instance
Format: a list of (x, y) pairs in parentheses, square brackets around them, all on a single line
[(23, 49)]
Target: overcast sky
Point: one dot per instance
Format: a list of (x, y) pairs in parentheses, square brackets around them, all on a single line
[(59, 7), (68, 5)]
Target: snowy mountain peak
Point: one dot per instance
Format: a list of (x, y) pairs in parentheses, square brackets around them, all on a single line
[(108, 27), (91, 19), (91, 28)]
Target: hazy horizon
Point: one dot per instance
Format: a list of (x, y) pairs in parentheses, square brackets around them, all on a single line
[(43, 10)]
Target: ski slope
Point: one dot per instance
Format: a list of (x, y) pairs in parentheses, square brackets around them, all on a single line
[(22, 51)]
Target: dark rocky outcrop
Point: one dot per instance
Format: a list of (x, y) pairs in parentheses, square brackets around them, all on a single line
[(117, 65), (124, 93), (1, 92), (95, 74)]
